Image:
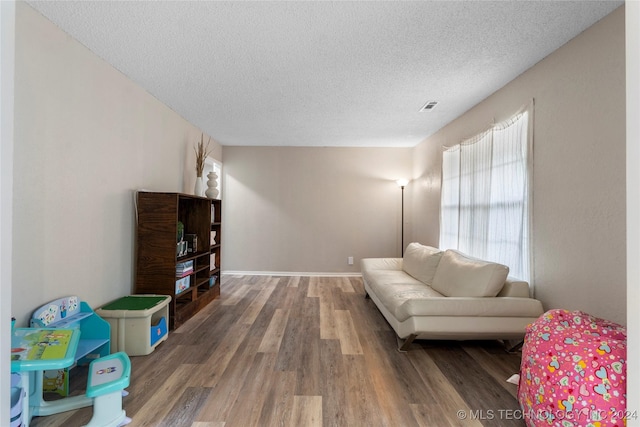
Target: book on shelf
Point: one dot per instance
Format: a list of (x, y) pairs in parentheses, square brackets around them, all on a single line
[(192, 242), (184, 273), (183, 284), (181, 248), (184, 268), (184, 265)]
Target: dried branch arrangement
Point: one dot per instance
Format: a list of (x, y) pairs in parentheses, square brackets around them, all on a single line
[(202, 151)]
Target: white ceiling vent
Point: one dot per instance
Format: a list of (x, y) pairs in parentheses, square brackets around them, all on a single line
[(429, 106)]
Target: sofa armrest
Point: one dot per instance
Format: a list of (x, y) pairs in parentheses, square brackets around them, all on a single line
[(514, 288), (368, 264)]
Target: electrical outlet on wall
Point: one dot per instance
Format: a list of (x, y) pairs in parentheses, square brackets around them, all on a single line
[(350, 260)]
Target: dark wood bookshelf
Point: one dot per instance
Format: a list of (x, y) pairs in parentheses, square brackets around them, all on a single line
[(158, 215)]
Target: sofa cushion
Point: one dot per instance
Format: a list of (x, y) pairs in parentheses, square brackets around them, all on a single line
[(459, 275), (394, 296), (421, 261), (382, 279)]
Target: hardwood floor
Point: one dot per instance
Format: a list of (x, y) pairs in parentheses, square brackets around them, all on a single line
[(309, 351)]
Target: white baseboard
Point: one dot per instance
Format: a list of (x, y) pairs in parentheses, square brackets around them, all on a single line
[(290, 273)]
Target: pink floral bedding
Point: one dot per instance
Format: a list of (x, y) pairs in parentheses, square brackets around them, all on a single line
[(573, 372)]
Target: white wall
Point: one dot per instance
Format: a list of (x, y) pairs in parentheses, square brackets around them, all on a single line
[(425, 192), (85, 138), (292, 209), (579, 169)]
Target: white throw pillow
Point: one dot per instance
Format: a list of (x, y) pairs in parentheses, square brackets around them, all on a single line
[(421, 262), (459, 275)]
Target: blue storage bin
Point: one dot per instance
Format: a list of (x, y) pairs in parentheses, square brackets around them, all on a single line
[(158, 331)]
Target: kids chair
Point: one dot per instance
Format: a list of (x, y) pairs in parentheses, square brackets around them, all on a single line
[(108, 376)]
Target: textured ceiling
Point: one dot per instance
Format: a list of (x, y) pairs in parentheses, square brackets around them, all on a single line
[(322, 73)]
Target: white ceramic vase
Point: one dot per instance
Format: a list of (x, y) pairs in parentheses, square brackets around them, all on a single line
[(212, 185), (199, 187)]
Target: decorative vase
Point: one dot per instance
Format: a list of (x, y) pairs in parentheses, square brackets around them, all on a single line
[(199, 187), (212, 185)]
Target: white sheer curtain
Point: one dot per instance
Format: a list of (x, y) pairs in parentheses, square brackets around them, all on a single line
[(486, 195)]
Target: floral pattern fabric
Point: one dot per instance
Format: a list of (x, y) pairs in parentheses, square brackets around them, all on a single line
[(574, 371)]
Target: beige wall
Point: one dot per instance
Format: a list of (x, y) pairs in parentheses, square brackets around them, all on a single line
[(292, 209), (579, 169), (85, 138)]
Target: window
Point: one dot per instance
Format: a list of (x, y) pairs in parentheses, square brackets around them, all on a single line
[(485, 197)]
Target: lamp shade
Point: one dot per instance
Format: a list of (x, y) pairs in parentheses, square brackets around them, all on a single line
[(402, 182)]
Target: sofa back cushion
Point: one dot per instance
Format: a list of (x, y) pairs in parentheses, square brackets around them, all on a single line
[(459, 275), (421, 262)]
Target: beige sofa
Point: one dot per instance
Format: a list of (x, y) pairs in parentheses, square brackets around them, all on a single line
[(434, 294)]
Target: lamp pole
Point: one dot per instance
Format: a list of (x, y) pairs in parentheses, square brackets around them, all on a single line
[(402, 183), (402, 222)]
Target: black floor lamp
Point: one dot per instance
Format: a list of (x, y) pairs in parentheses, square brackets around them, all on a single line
[(402, 183)]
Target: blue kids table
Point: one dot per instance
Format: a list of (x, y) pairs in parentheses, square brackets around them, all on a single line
[(34, 350)]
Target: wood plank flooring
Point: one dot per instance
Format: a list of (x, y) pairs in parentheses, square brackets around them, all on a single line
[(308, 351)]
